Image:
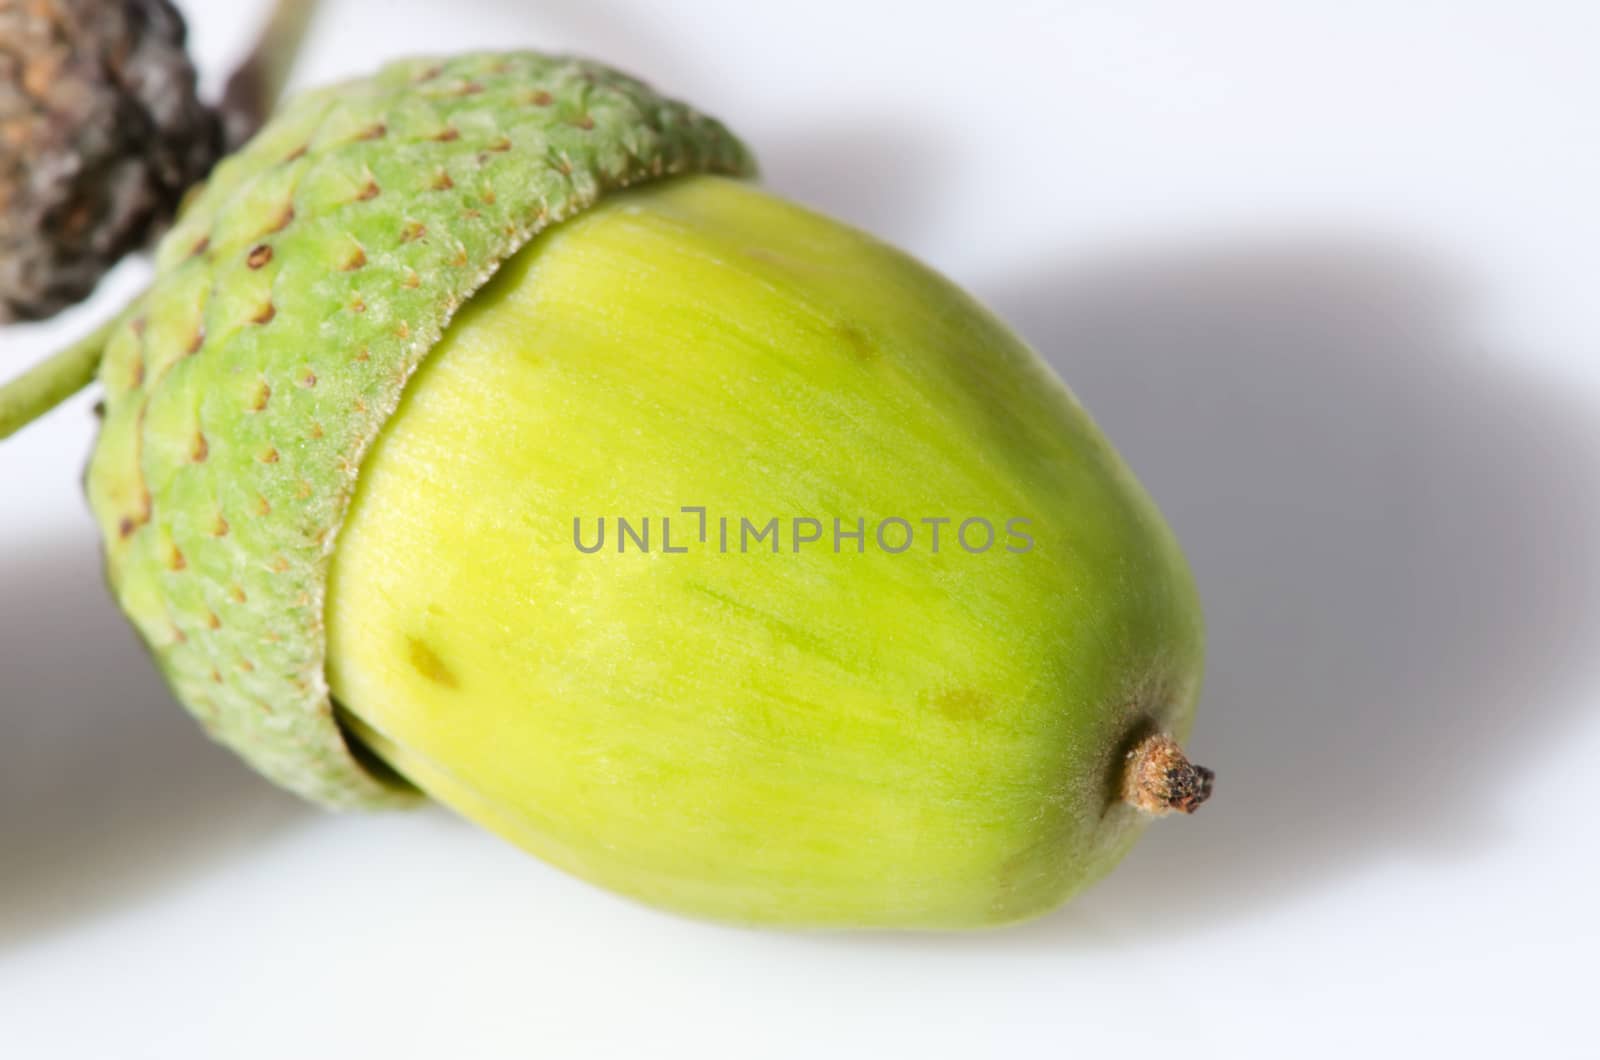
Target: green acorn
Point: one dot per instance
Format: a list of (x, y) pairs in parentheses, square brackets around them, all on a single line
[(418, 468)]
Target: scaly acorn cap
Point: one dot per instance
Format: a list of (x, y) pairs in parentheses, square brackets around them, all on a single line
[(292, 301)]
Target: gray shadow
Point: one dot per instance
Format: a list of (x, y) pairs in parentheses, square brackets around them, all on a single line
[(108, 791), (1394, 534), (870, 170)]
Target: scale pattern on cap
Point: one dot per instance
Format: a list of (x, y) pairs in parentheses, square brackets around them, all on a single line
[(293, 300)]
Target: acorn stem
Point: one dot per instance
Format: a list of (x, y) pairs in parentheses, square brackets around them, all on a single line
[(1158, 779), (49, 383), (253, 89)]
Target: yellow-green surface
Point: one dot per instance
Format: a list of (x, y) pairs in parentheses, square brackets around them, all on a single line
[(921, 739)]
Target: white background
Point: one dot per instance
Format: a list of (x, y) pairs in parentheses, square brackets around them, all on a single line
[(1329, 274)]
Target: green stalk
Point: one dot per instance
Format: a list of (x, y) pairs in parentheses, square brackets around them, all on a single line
[(49, 383)]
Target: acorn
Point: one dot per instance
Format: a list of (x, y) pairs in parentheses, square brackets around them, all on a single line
[(487, 433)]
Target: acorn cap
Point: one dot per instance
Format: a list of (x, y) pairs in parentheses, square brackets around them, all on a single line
[(101, 133), (292, 301)]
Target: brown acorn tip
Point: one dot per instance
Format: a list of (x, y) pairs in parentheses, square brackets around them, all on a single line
[(1159, 779)]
